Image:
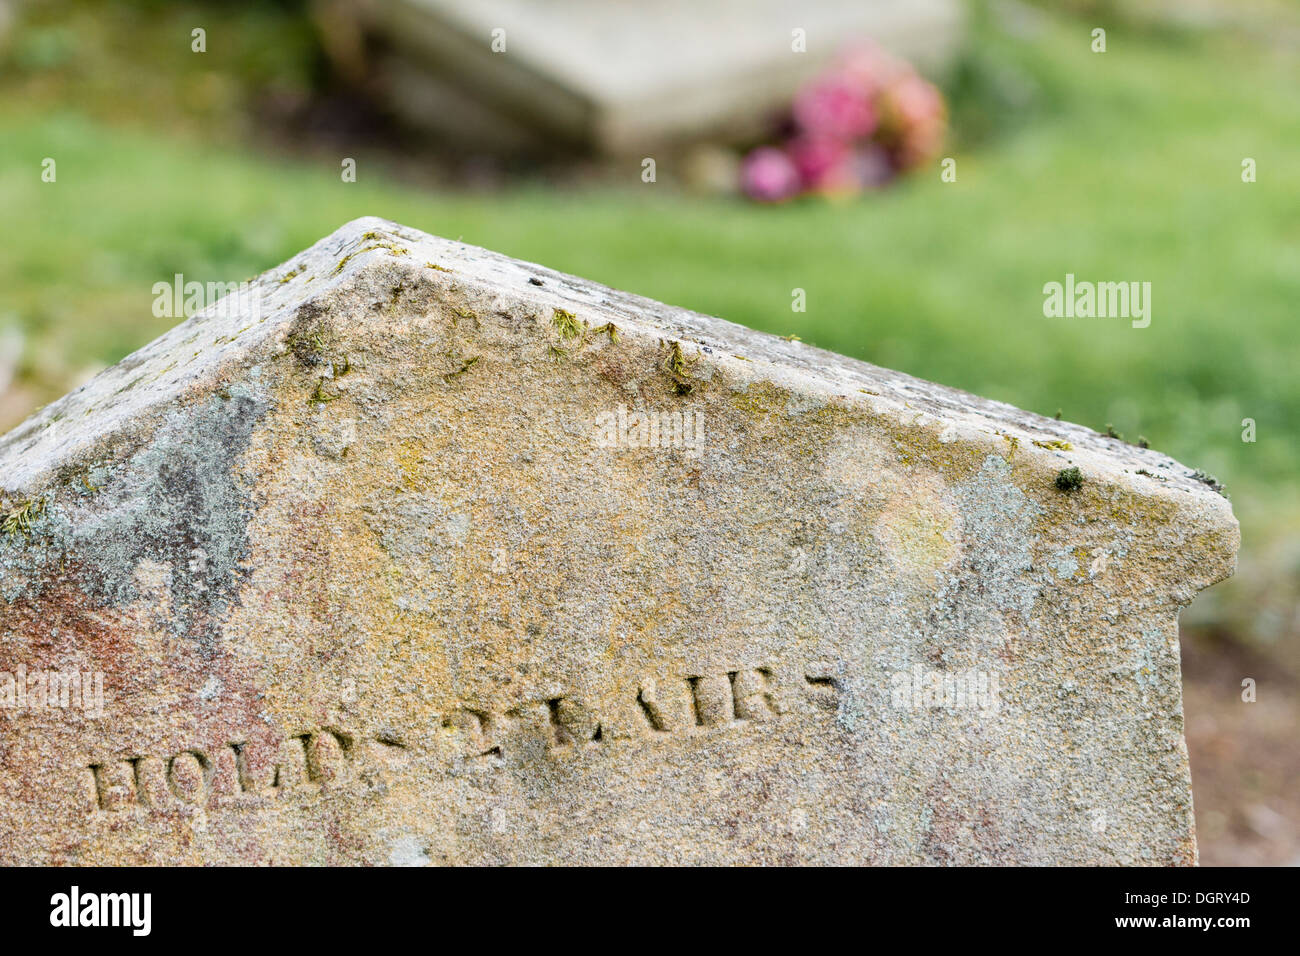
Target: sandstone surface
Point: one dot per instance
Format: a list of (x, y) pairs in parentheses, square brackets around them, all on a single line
[(436, 556)]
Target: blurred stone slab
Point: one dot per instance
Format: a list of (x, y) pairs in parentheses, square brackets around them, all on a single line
[(624, 77), (8, 14), (423, 554)]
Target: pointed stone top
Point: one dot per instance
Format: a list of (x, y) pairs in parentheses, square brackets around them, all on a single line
[(356, 271)]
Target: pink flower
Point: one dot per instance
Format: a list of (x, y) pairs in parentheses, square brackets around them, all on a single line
[(870, 66), (835, 107), (919, 145), (913, 120), (769, 175), (817, 159), (914, 102), (854, 128), (872, 167), (825, 165)]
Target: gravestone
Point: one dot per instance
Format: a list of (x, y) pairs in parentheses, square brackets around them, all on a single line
[(416, 553), (626, 77)]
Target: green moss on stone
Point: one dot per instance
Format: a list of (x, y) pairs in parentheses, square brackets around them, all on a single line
[(678, 369), (18, 520), (1069, 479), (464, 367), (567, 323)]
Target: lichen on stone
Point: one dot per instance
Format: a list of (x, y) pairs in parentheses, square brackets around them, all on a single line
[(179, 502)]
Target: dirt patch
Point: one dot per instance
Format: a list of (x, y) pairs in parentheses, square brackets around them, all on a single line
[(1245, 756)]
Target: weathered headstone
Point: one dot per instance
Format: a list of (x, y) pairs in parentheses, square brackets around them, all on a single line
[(423, 554), (622, 77)]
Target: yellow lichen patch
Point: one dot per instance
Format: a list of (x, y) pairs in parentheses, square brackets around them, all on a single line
[(760, 399), (771, 416), (917, 531), (923, 448), (408, 455), (1083, 557), (390, 247)]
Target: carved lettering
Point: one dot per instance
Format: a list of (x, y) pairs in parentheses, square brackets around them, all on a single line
[(189, 774), (722, 700)]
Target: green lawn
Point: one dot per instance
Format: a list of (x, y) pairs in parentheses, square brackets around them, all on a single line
[(1117, 166)]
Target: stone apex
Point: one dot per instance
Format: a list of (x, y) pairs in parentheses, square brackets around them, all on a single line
[(346, 271)]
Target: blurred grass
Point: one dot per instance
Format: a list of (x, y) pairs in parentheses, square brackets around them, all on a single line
[(1117, 166)]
